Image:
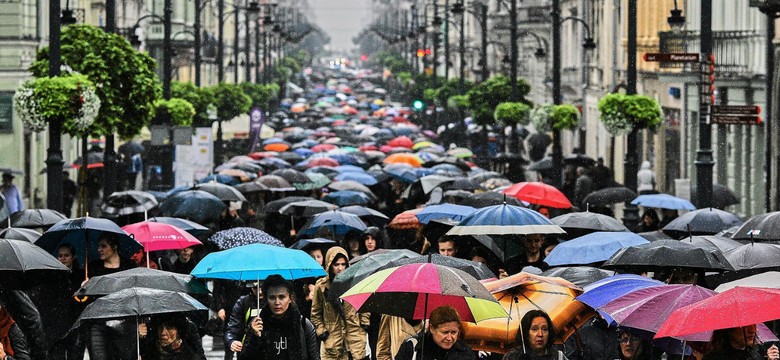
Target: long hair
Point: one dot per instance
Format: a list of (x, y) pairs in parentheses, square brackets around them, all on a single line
[(525, 328)]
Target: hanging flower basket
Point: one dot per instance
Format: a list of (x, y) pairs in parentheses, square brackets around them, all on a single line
[(621, 113), (511, 113), (71, 97)]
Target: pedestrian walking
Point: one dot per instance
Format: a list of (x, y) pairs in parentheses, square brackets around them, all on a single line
[(393, 330), (633, 347), (13, 198), (602, 175), (170, 337), (535, 338), (13, 345), (244, 309), (645, 179), (738, 344), (582, 187), (442, 340)]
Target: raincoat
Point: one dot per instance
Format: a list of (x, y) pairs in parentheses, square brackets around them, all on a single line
[(393, 330)]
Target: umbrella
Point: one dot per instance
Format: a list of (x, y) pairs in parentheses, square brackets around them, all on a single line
[(22, 234), (505, 220), (220, 179), (128, 202), (195, 205), (368, 264), (732, 308), (475, 269), (701, 222), (292, 176), (274, 163), (460, 153), (275, 183), (542, 165), (241, 263), (754, 256), (430, 182), (668, 253), (592, 248), (463, 184), (760, 227), (663, 201), (155, 236), (239, 174), (713, 242), (539, 193), (403, 158), (603, 291), (94, 160), (221, 191), (186, 225), (406, 220), (375, 218), (654, 235), (579, 275), (413, 291), (450, 211), (251, 187), (276, 205), (721, 196), (769, 279), (609, 196), (401, 141), (240, 236), (347, 198), (402, 172), (304, 244), (405, 253), (131, 148), (362, 178), (141, 277), (481, 177), (316, 181), (335, 222), (351, 186), (486, 199), (25, 265), (583, 223), (35, 218), (307, 208), (579, 160)]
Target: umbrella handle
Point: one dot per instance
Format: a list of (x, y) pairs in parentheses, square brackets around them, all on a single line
[(137, 339), (425, 313)]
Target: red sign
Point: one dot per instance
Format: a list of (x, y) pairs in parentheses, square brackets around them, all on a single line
[(672, 57), (736, 119)]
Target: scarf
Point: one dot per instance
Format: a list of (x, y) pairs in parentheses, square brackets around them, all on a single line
[(289, 326), (5, 328)]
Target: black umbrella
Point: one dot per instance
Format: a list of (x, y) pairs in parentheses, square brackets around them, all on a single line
[(578, 159), (144, 278), (320, 243), (486, 245), (36, 218), (22, 234), (449, 160), (189, 226), (609, 196), (721, 196), (654, 235), (475, 269), (489, 199), (251, 187), (582, 223), (272, 207), (292, 176), (542, 165), (221, 191), (537, 145), (713, 242), (128, 202), (240, 236), (764, 227), (668, 254), (351, 185), (195, 205), (754, 256), (484, 176), (373, 217), (291, 157), (701, 222), (131, 148), (463, 184), (307, 208), (275, 183), (24, 265), (367, 265), (94, 159), (579, 275)]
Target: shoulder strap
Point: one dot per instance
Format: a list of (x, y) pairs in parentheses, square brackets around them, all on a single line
[(413, 340)]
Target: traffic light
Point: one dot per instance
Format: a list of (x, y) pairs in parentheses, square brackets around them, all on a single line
[(420, 53), (418, 105)]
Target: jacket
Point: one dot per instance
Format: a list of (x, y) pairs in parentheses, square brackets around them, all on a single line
[(255, 347), (393, 330), (645, 178), (191, 348), (112, 340), (27, 317), (345, 327), (412, 349), (236, 326), (18, 343)]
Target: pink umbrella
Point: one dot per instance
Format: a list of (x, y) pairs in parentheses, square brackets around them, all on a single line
[(155, 236)]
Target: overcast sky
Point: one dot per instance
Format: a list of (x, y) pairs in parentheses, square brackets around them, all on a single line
[(341, 19)]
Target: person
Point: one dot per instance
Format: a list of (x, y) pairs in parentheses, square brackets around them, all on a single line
[(602, 175), (338, 325), (645, 179), (13, 198), (59, 310), (532, 256), (633, 347), (669, 215), (184, 262), (13, 344), (393, 330), (316, 253), (109, 260), (738, 344), (170, 337), (246, 307), (593, 340), (354, 246), (535, 338), (280, 331), (69, 192), (650, 221), (442, 340), (447, 246), (583, 186), (371, 239)]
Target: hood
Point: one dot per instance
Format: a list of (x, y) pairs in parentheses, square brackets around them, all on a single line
[(645, 165), (330, 256)]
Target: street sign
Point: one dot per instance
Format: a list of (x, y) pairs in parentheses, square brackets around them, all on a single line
[(736, 109), (672, 57), (735, 119)]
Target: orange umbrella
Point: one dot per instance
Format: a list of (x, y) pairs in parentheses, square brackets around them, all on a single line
[(298, 109), (403, 158), (236, 173), (278, 147), (406, 220)]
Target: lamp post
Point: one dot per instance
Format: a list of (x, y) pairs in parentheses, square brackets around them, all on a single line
[(109, 154), (483, 10), (704, 161), (196, 31), (54, 199), (446, 40), (631, 163), (458, 9)]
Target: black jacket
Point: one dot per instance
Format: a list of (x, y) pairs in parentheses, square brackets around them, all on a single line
[(237, 326), (458, 351), (112, 340), (191, 349), (18, 343), (254, 348), (26, 315)]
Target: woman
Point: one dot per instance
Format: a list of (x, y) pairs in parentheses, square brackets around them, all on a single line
[(170, 337), (13, 344), (280, 331), (371, 239), (535, 338), (109, 260), (738, 344), (442, 339), (650, 221), (633, 347), (354, 246)]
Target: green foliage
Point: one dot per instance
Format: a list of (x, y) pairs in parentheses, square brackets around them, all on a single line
[(621, 113), (511, 113), (261, 95), (125, 79), (429, 95), (70, 97), (199, 98), (230, 100), (540, 117), (564, 117), (458, 102), (404, 77), (484, 97), (392, 62), (179, 111)]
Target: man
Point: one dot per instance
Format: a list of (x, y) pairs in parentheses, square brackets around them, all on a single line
[(602, 175), (13, 198), (447, 247), (532, 256), (69, 191), (245, 308), (582, 188)]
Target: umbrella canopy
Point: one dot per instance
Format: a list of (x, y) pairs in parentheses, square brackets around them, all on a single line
[(505, 220), (722, 196), (401, 141), (760, 227), (460, 153), (334, 222), (317, 180), (25, 265), (402, 172), (364, 267), (240, 236), (579, 275), (475, 269), (668, 253), (83, 233), (22, 234), (542, 165), (305, 244), (701, 222), (128, 202), (539, 193), (463, 184), (406, 220), (449, 211), (347, 198), (713, 242), (663, 201), (136, 302), (307, 208), (592, 248), (186, 225), (94, 160), (603, 291), (351, 186), (251, 187), (403, 158), (583, 223), (241, 263), (221, 191), (195, 205), (275, 183), (413, 291), (609, 196), (754, 256), (362, 178), (155, 236), (144, 278), (490, 198), (36, 218), (292, 176), (769, 279), (276, 205), (375, 218)]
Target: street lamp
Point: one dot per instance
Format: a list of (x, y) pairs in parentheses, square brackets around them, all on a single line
[(676, 20), (54, 198), (457, 10)]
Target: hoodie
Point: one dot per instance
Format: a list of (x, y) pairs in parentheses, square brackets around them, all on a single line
[(645, 178)]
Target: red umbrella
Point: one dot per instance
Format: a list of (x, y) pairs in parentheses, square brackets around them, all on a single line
[(323, 162), (538, 193), (155, 236), (737, 307), (400, 119), (368, 147), (323, 147), (401, 141)]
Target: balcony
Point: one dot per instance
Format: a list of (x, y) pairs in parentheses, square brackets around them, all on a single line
[(738, 54), (528, 15)]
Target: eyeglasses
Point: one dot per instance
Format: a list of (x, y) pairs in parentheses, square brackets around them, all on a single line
[(629, 339)]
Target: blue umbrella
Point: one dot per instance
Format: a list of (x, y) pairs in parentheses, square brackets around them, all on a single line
[(373, 217), (275, 163), (663, 201), (347, 198), (242, 264), (273, 140), (505, 220), (603, 291), (449, 211), (303, 152), (402, 172), (335, 222), (222, 179), (324, 170), (363, 178), (350, 168), (346, 159), (592, 248), (240, 236), (305, 243), (196, 205)]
